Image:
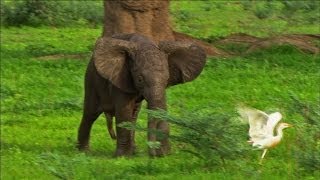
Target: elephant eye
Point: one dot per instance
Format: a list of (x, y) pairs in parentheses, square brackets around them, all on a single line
[(140, 79)]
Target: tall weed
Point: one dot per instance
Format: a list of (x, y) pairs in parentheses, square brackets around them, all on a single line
[(214, 138), (308, 134)]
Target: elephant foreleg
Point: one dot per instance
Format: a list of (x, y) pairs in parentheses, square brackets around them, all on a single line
[(163, 127), (159, 131), (152, 136), (125, 140), (125, 137)]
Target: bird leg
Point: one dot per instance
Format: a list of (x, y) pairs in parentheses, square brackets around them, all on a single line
[(263, 154)]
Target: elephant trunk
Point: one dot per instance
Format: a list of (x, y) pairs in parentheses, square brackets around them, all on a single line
[(158, 129), (156, 98)]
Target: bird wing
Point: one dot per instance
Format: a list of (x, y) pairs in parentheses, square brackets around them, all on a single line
[(257, 121), (273, 120)]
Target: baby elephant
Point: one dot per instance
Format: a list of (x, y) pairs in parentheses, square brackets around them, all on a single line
[(125, 70)]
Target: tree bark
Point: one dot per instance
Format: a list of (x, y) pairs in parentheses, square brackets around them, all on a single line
[(147, 17)]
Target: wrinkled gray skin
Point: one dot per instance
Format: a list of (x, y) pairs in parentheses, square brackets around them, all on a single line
[(127, 69)]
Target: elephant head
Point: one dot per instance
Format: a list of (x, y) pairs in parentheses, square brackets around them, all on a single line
[(136, 65)]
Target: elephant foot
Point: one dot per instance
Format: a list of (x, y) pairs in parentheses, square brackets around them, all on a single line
[(152, 152), (163, 150), (158, 152), (125, 152), (83, 147)]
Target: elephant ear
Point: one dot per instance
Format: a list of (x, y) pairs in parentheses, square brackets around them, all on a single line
[(186, 61), (110, 58)]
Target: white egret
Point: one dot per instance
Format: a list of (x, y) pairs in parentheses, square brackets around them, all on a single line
[(262, 127)]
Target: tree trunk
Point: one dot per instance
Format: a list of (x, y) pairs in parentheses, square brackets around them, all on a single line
[(149, 18), (146, 17)]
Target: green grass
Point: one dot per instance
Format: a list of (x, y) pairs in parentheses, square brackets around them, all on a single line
[(41, 104), (215, 19), (210, 19)]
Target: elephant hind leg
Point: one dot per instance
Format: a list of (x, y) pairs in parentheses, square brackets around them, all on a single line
[(109, 119), (84, 130), (91, 112)]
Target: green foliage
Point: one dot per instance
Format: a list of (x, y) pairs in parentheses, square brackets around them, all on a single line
[(52, 13), (211, 137), (294, 6), (308, 134), (203, 19), (211, 19), (263, 11)]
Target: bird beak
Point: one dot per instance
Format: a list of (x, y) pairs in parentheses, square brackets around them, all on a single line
[(289, 125)]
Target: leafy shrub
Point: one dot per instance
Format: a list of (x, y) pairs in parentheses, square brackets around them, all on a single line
[(28, 12), (246, 5), (293, 6), (263, 10), (301, 11), (54, 13), (213, 138), (295, 12), (308, 135)]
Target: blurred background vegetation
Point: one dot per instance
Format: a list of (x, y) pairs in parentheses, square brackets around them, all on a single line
[(51, 13), (192, 17)]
